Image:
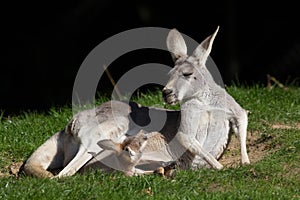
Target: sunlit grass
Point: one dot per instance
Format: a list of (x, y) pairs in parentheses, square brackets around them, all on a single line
[(277, 176)]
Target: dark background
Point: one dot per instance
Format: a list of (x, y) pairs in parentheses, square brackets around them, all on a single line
[(45, 42)]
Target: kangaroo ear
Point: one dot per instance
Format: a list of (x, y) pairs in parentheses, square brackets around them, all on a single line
[(176, 44), (110, 145), (202, 52)]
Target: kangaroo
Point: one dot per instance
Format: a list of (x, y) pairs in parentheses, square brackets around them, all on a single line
[(128, 153), (197, 135), (70, 149), (192, 84), (131, 150)]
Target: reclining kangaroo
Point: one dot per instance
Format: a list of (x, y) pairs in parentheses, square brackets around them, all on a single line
[(201, 129), (74, 147)]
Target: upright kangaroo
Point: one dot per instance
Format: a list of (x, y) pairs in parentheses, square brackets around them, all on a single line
[(191, 83)]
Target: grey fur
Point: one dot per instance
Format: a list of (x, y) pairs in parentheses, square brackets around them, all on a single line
[(192, 84), (196, 136)]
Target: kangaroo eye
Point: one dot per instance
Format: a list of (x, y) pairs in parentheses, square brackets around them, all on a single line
[(187, 74)]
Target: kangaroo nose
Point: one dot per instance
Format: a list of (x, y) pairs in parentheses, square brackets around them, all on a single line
[(166, 91)]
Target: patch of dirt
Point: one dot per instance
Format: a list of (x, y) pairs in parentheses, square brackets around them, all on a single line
[(216, 187), (285, 126), (258, 147), (2, 175), (15, 168), (11, 170)]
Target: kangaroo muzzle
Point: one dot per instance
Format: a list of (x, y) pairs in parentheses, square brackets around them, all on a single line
[(169, 96)]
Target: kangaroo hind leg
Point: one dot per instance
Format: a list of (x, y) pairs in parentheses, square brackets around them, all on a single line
[(48, 156)]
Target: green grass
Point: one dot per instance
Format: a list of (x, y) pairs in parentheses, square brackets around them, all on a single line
[(277, 176)]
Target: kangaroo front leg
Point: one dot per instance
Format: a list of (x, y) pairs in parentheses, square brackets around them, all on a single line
[(81, 158), (195, 147)]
